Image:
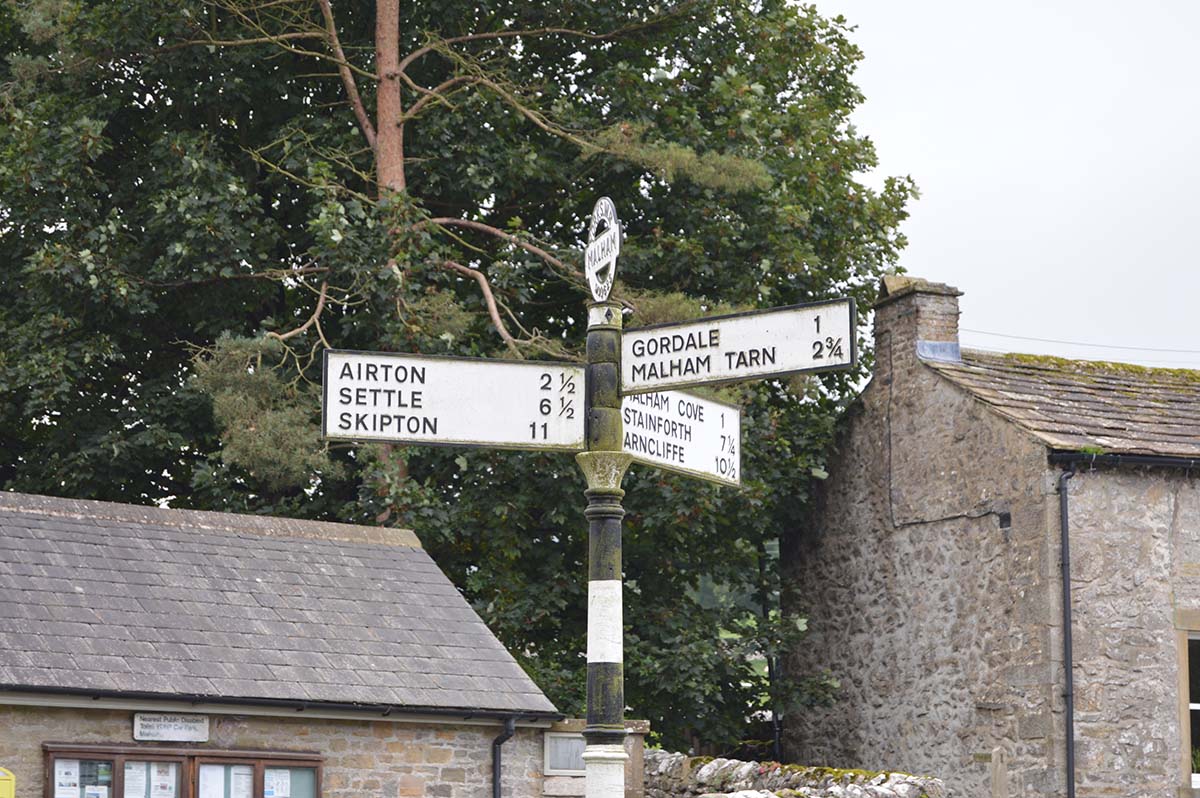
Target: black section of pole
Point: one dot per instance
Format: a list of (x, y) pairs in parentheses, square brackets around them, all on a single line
[(1068, 653), (606, 673)]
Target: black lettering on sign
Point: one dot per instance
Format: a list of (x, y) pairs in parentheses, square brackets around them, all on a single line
[(653, 447), (750, 358), (691, 410), (666, 369), (381, 372), (380, 397), (394, 423), (677, 342), (657, 424)]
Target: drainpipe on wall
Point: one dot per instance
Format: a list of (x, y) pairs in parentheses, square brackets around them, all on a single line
[(510, 728), (1068, 657)]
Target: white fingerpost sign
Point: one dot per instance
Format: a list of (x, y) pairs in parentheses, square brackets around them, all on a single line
[(402, 398), (741, 346), (684, 433)]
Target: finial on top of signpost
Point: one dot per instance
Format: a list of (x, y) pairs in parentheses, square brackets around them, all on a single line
[(604, 245)]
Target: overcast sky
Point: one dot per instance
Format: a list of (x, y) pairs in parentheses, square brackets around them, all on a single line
[(1057, 148)]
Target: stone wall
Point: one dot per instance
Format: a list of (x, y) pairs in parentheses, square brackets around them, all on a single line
[(671, 775), (1135, 551), (929, 576), (362, 759), (929, 571)]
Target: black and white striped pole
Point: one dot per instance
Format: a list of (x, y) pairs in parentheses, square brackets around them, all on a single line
[(604, 465)]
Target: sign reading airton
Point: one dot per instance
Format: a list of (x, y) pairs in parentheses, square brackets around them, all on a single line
[(815, 337), (442, 400)]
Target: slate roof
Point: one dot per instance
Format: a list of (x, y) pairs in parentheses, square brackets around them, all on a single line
[(106, 598), (1080, 405)]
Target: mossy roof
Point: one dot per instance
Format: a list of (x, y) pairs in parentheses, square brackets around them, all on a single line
[(1084, 405)]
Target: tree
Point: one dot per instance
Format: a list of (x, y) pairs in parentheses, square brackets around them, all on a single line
[(200, 196)]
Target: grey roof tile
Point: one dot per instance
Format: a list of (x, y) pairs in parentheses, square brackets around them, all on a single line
[(1077, 404), (104, 597)]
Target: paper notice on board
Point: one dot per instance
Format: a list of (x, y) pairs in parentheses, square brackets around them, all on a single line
[(95, 791), (135, 780), (66, 778), (277, 783), (162, 780), (241, 781), (212, 781)]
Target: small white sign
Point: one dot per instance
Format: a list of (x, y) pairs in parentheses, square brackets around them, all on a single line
[(378, 396), (170, 727), (604, 245), (681, 432), (817, 337)]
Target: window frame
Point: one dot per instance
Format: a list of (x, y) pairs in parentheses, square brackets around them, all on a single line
[(1187, 627), (546, 769), (189, 760)]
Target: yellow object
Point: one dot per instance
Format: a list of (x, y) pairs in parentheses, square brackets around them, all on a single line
[(8, 784)]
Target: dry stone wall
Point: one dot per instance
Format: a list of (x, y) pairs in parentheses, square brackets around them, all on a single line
[(671, 775)]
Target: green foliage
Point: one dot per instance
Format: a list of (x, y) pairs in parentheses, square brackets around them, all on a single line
[(184, 225), (670, 161), (267, 424)]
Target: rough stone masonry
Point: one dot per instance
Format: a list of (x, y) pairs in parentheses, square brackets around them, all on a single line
[(671, 775)]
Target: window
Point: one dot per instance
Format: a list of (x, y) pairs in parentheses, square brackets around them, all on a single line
[(564, 754), (99, 771), (1187, 635), (1193, 662)]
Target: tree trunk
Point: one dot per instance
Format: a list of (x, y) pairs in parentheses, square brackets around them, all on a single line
[(389, 132)]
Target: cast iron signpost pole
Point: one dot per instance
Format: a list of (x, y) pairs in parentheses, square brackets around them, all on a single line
[(604, 465)]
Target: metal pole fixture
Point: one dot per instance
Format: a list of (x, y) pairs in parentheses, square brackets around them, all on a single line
[(604, 465)]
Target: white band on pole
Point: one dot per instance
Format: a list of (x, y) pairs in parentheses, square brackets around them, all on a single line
[(605, 623)]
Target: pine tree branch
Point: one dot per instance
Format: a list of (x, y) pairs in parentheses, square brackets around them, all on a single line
[(436, 94), (490, 299), (506, 236), (266, 39), (433, 46), (335, 44), (314, 319)]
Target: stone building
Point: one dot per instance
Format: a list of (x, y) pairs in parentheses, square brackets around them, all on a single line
[(933, 569), (154, 653)]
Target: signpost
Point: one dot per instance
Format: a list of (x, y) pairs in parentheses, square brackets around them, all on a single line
[(615, 410), (382, 396), (685, 433), (768, 343)]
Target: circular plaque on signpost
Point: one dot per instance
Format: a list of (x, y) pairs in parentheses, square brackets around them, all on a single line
[(604, 245)]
